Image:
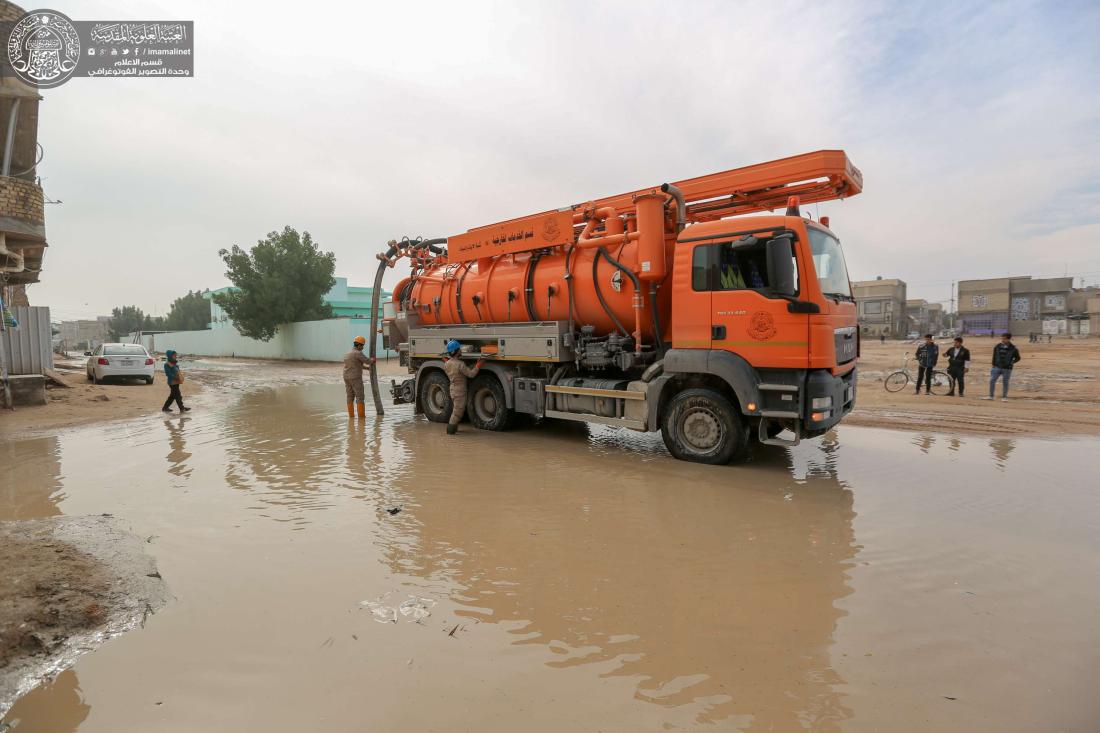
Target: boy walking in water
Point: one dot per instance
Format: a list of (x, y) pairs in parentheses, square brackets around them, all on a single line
[(174, 375)]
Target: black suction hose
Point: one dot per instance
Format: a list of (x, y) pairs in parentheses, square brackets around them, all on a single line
[(375, 297), (656, 318), (529, 287), (599, 291)]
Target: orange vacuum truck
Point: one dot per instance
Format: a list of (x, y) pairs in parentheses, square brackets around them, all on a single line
[(661, 309)]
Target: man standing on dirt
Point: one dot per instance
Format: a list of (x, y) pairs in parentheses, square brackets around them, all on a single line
[(458, 373), (927, 356), (174, 375), (1005, 356), (958, 364), (354, 363)]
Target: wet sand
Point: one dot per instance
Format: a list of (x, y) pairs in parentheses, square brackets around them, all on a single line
[(1055, 391), (577, 578)]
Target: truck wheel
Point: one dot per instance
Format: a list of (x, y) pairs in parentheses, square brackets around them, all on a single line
[(486, 405), (701, 425), (435, 396)]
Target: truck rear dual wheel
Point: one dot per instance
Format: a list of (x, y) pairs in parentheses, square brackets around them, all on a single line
[(486, 404), (435, 396), (701, 425)]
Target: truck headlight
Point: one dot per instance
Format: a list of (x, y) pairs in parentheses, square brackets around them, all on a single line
[(821, 403)]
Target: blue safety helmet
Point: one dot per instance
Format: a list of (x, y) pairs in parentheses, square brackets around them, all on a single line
[(453, 346)]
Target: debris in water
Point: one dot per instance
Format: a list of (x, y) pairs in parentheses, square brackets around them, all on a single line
[(394, 510), (453, 630), (414, 608)]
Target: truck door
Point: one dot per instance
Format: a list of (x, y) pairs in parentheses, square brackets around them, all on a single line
[(746, 317), (691, 302)]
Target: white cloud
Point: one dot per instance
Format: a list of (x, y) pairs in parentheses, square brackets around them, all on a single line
[(360, 123)]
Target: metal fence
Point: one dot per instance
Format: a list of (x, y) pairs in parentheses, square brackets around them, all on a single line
[(27, 347)]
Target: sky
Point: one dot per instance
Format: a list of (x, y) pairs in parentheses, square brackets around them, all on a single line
[(976, 127)]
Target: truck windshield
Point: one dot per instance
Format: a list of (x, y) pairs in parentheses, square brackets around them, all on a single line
[(832, 273)]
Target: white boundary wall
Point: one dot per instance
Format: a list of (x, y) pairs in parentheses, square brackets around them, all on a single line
[(326, 340)]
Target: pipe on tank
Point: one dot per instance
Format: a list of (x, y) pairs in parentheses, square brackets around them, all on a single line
[(587, 240), (681, 206)]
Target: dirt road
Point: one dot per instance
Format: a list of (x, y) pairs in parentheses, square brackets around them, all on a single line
[(1055, 391)]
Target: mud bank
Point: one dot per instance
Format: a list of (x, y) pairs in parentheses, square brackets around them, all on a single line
[(67, 584)]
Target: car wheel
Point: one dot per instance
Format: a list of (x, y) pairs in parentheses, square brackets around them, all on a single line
[(701, 425), (95, 378), (148, 380), (486, 406), (88, 374), (435, 396)]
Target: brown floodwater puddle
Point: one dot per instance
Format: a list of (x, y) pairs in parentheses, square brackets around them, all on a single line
[(569, 578)]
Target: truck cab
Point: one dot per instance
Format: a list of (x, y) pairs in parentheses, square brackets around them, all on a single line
[(765, 303)]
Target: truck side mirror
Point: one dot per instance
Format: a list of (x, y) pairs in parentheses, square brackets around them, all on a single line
[(781, 266)]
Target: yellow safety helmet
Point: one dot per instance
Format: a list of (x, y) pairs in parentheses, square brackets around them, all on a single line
[(360, 340)]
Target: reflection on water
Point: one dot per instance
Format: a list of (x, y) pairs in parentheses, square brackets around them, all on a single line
[(702, 588), (1002, 448), (57, 706), (177, 444), (31, 485)]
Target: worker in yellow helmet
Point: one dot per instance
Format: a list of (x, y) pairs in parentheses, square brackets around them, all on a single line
[(354, 362)]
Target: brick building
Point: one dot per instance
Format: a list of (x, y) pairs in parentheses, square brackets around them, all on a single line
[(881, 308)]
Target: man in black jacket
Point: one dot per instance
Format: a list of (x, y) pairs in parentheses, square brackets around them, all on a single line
[(927, 356), (1005, 356), (958, 364)]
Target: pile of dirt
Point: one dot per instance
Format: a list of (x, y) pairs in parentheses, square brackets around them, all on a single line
[(67, 584)]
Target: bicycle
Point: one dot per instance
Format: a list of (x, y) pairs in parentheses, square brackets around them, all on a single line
[(899, 380)]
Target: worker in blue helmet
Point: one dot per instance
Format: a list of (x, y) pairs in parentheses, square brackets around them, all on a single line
[(459, 374)]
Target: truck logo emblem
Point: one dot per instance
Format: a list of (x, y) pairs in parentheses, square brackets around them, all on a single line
[(550, 230), (761, 325)]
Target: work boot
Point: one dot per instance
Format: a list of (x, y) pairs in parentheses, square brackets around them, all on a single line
[(361, 409), (351, 410), (185, 409), (451, 428)]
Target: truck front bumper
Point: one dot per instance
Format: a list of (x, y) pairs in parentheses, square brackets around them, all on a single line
[(828, 399)]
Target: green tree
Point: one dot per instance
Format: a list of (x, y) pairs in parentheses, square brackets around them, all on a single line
[(281, 281), (125, 320), (190, 312)]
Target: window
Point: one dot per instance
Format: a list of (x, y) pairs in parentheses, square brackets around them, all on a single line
[(124, 350), (741, 264), (872, 307), (832, 273)]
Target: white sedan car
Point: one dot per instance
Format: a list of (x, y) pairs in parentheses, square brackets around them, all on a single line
[(120, 360)]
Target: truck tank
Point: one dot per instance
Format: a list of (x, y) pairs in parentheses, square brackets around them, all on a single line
[(534, 286)]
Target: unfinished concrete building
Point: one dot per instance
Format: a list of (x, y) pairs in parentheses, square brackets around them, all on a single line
[(22, 222), (881, 308), (1020, 305)]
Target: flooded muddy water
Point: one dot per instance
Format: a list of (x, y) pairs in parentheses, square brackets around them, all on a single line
[(574, 578)]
